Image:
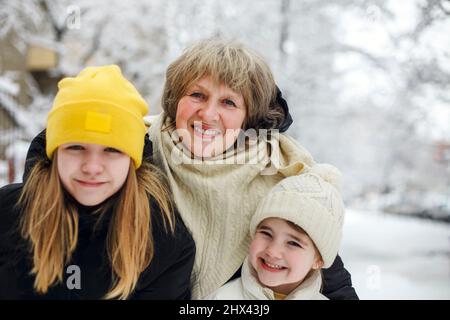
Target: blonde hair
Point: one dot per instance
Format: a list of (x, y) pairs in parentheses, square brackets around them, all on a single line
[(50, 224), (241, 69)]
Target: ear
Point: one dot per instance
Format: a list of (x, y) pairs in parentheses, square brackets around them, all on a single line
[(318, 263)]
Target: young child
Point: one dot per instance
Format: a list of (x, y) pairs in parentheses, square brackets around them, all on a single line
[(296, 231), (94, 220)]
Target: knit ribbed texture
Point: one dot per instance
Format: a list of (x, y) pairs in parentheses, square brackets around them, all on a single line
[(311, 203), (98, 106), (217, 201)]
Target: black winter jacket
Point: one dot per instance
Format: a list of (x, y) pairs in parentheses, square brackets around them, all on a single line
[(167, 276), (337, 280)]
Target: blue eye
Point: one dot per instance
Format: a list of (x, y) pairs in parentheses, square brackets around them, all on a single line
[(198, 95), (229, 102)]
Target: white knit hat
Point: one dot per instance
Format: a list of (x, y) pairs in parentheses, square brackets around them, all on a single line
[(312, 201)]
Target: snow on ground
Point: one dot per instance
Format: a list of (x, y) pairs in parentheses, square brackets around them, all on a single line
[(395, 257)]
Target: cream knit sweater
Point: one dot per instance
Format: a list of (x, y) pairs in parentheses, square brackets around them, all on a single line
[(217, 200)]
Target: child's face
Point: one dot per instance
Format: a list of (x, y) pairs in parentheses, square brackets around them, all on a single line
[(209, 117), (91, 173), (281, 255)]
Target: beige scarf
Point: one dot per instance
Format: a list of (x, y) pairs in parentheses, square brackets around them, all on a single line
[(309, 289), (217, 198)]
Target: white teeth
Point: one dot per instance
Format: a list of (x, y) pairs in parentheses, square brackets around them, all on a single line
[(274, 266), (209, 132)]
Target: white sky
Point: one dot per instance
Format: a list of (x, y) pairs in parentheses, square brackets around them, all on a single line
[(371, 33)]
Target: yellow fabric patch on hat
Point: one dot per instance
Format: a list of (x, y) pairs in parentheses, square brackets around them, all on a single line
[(98, 122)]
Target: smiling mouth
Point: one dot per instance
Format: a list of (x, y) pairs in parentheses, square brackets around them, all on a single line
[(206, 133), (271, 267)]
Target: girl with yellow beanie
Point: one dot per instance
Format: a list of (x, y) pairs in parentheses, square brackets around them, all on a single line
[(94, 219)]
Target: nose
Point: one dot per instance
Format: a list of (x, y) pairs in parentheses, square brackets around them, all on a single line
[(209, 112), (92, 165), (274, 250)]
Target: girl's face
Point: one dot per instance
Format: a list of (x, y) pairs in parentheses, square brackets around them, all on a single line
[(209, 117), (91, 173), (282, 256)]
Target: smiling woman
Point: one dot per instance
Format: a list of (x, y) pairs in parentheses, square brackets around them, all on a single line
[(94, 204), (215, 91), (209, 117)]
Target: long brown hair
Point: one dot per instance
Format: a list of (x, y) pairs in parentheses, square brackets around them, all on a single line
[(50, 224)]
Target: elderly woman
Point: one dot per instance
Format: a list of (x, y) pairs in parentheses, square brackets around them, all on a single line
[(218, 144)]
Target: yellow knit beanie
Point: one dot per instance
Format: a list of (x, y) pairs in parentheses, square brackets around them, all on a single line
[(98, 106)]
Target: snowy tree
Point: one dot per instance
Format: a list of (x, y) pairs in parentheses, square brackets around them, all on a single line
[(366, 81)]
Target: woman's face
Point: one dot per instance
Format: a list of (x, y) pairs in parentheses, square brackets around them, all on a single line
[(209, 117), (91, 173)]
